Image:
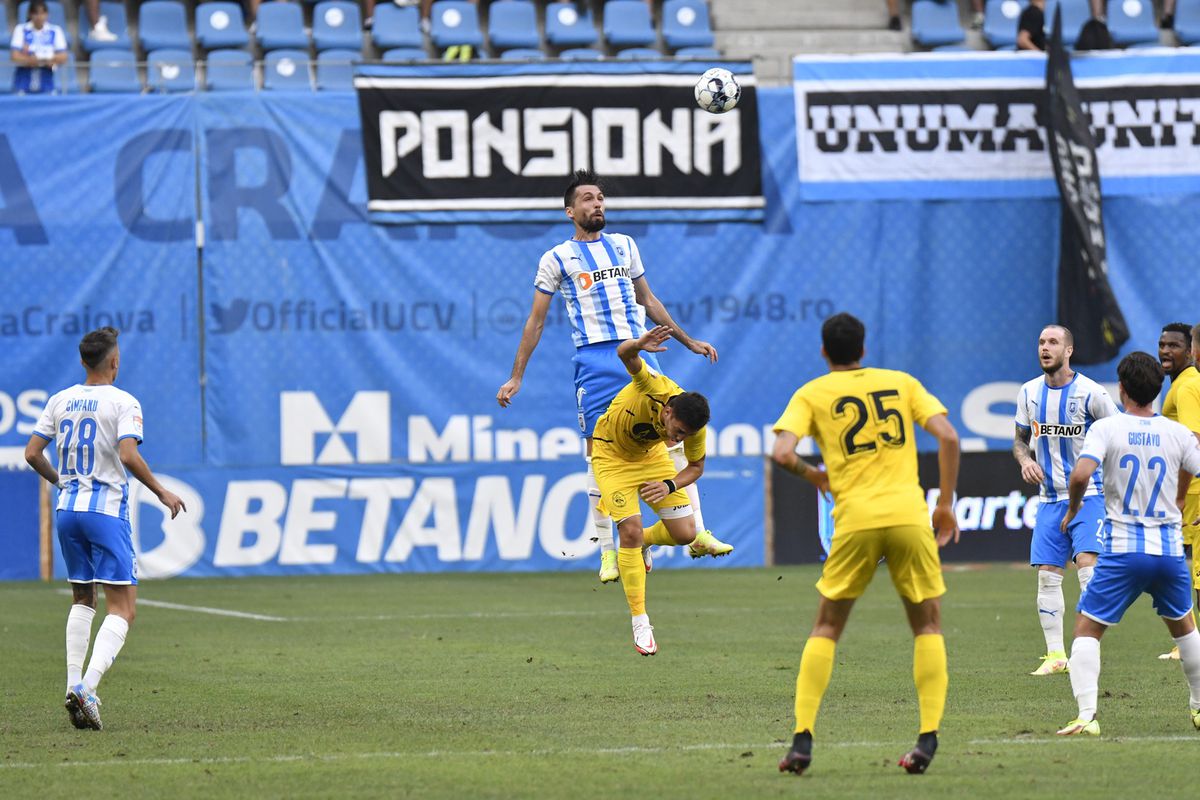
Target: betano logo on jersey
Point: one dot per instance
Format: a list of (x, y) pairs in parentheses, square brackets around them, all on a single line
[(587, 280), (1053, 429)]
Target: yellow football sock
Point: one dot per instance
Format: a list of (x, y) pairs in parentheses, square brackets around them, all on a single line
[(932, 677), (816, 667), (657, 534), (633, 578)]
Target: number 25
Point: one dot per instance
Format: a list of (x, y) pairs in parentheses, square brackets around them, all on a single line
[(860, 413)]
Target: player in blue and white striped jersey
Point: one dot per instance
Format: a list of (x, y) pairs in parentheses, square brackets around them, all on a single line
[(98, 428), (603, 283), (1053, 414), (1148, 463)]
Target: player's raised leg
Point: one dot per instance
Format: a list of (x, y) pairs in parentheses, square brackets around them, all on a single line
[(633, 581)]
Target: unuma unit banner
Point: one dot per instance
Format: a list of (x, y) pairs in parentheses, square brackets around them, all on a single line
[(498, 142), (946, 126)]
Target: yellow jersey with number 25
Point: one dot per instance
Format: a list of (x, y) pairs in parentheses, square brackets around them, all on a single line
[(862, 420)]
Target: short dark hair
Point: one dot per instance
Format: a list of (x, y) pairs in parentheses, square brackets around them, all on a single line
[(1178, 327), (35, 6), (1141, 377), (580, 177), (1068, 337), (690, 408), (96, 345), (843, 335)]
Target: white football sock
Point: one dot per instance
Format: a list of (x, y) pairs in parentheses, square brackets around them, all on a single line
[(79, 633), (1085, 577), (1050, 606), (1189, 656), (601, 523), (109, 640), (1085, 674), (680, 461)]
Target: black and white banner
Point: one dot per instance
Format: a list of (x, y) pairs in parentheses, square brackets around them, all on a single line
[(956, 125), (480, 142), (1086, 303)]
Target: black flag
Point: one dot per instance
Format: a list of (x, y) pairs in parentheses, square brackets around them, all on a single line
[(1086, 303)]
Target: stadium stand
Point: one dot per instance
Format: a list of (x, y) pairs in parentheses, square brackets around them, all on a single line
[(455, 22), (1000, 22), (397, 26), (1132, 22), (627, 24), (512, 24), (404, 54), (229, 71), (581, 54), (162, 24), (286, 71), (6, 72), (566, 27), (117, 25), (1187, 21), (335, 70), (171, 70), (935, 23), (698, 52), (685, 23), (220, 25), (523, 54), (114, 71), (280, 26), (640, 54), (1074, 14), (337, 25)]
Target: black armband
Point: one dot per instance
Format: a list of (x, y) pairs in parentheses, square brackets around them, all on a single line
[(671, 487)]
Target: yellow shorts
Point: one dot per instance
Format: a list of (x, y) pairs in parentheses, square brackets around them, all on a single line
[(1191, 534), (620, 480), (912, 560)]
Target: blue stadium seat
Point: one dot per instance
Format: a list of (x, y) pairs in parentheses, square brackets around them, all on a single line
[(220, 25), (454, 22), (335, 70), (1000, 19), (1132, 22), (229, 71), (337, 25), (57, 16), (171, 71), (685, 23), (5, 27), (935, 22), (523, 54), (565, 27), (697, 52), (1187, 21), (286, 71), (114, 71), (512, 23), (627, 24), (162, 24), (7, 70), (280, 26), (1074, 14), (117, 25), (581, 54), (397, 26), (66, 77), (404, 53), (640, 54)]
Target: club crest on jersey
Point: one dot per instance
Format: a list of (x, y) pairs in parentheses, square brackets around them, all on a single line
[(1072, 406), (1055, 430)]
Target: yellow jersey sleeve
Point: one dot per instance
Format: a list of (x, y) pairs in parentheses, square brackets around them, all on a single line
[(694, 446), (924, 404), (1187, 405), (647, 381), (797, 418)]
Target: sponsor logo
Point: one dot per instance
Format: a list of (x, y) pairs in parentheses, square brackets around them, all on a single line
[(1055, 430), (308, 435), (309, 315), (40, 321)]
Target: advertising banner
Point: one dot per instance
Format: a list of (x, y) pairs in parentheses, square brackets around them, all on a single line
[(470, 143), (954, 125)]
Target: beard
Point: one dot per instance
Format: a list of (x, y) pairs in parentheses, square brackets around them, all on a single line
[(1052, 367), (593, 224)]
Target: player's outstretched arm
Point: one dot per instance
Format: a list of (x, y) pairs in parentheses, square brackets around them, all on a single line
[(35, 456), (784, 454), (1030, 471), (1077, 484), (658, 313), (134, 462), (650, 341), (531, 334), (945, 522)]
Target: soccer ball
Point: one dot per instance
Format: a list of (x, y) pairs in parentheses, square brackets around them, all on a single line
[(717, 91)]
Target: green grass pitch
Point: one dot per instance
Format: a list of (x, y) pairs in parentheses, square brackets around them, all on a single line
[(471, 686)]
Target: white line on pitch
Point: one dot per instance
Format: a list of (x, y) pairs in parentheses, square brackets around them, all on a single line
[(220, 612), (566, 751)]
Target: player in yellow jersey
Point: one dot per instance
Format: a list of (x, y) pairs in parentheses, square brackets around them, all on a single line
[(1178, 353), (862, 419), (630, 459)]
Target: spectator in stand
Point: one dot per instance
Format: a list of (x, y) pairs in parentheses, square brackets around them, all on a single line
[(1031, 26), (1168, 15), (977, 14), (37, 48), (1094, 35), (893, 15), (100, 31)]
